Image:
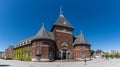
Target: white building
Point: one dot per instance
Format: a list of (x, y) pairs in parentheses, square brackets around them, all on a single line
[(113, 52), (2, 55)]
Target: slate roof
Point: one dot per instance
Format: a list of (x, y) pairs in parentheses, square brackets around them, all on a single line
[(11, 46), (24, 42), (63, 22), (80, 40), (43, 34)]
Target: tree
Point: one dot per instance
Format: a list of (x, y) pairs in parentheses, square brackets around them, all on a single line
[(22, 54), (92, 52), (107, 55), (112, 56), (117, 55)]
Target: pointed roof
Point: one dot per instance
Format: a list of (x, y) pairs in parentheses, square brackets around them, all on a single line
[(62, 21), (80, 39), (43, 34)]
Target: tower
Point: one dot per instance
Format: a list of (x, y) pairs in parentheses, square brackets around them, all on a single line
[(63, 33), (81, 48), (43, 47)]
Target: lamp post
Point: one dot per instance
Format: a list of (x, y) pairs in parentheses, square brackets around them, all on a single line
[(38, 54)]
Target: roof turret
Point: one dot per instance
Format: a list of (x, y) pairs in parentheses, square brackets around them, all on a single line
[(44, 34), (80, 39)]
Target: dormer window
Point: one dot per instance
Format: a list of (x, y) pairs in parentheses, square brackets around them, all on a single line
[(59, 28), (65, 23), (20, 44), (69, 30), (26, 42), (38, 43)]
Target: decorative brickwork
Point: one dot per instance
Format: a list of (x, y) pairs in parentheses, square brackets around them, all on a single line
[(57, 44)]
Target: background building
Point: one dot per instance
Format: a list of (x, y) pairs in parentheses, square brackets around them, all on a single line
[(2, 55), (9, 52), (113, 52), (99, 54)]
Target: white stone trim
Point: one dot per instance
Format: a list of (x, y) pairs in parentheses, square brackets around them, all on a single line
[(34, 59), (44, 59), (63, 31), (81, 49)]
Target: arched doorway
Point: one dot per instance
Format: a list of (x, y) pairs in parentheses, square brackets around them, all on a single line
[(83, 56), (64, 50)]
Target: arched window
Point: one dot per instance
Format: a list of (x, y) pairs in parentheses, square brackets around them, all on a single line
[(64, 46), (83, 56)]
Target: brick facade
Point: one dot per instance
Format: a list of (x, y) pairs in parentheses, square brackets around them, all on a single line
[(57, 44), (81, 50), (9, 52)]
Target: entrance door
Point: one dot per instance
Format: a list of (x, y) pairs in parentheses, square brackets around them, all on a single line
[(64, 55), (64, 50)]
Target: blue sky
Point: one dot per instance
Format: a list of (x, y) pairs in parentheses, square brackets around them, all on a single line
[(99, 20)]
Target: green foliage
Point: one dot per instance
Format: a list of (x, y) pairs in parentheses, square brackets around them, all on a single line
[(2, 57), (107, 55), (112, 56), (92, 52), (117, 55), (22, 54)]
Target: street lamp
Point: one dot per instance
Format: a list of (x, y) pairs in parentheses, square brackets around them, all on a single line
[(38, 54)]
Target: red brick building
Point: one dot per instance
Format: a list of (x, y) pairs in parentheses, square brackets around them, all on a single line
[(57, 44), (9, 52), (81, 48)]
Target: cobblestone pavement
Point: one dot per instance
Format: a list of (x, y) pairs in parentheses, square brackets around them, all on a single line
[(93, 63)]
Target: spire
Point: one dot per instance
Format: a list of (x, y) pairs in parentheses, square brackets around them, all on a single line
[(43, 25), (81, 32), (61, 12), (42, 31), (43, 34)]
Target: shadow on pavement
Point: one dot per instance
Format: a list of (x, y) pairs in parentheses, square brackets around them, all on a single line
[(4, 65)]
